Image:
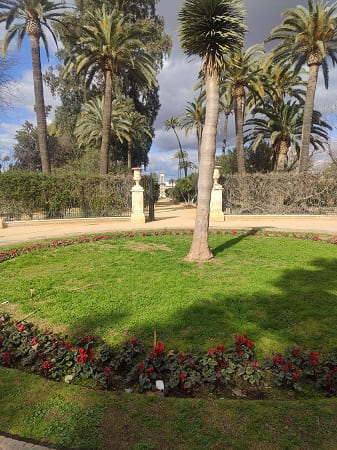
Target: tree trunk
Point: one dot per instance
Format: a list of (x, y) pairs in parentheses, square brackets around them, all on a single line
[(200, 250), (39, 103), (225, 128), (129, 155), (281, 162), (106, 128), (199, 136), (181, 153), (307, 117), (239, 135)]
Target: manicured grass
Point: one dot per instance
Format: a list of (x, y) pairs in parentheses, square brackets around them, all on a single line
[(75, 417), (281, 291)]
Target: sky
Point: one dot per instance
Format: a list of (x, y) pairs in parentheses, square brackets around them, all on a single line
[(176, 81)]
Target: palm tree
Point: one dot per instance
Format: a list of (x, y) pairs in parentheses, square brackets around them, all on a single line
[(194, 118), (31, 17), (308, 36), (172, 124), (111, 45), (209, 29), (89, 125), (244, 72), (283, 127)]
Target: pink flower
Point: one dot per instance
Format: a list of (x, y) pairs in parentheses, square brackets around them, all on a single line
[(34, 340), (46, 365), (107, 371), (20, 328), (211, 352), (255, 365)]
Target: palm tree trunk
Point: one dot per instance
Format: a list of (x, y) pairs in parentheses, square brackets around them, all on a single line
[(225, 132), (106, 130), (307, 117), (39, 103), (282, 159), (200, 250), (199, 136), (239, 135), (181, 152), (129, 155)]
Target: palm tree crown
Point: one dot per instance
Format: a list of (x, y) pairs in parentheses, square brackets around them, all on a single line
[(29, 17), (211, 29)]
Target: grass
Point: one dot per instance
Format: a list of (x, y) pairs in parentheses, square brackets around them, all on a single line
[(75, 417), (281, 291)]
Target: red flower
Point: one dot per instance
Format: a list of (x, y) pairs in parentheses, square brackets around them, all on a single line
[(141, 367), (46, 365), (20, 328), (297, 352), (249, 343), (295, 376), (150, 370), (285, 368), (234, 232), (151, 356), (159, 348), (107, 371), (6, 356), (68, 346), (220, 348), (211, 352), (134, 340), (34, 340), (89, 337), (1, 320), (255, 365), (181, 358), (182, 376)]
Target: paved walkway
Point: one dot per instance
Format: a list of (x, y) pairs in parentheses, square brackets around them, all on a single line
[(12, 444), (168, 216)]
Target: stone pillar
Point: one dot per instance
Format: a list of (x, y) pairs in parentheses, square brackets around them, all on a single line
[(216, 213), (137, 214), (162, 187)]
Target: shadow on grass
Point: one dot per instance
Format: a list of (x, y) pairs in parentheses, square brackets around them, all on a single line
[(228, 244), (302, 311)]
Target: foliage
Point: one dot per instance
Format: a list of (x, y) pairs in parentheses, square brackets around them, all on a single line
[(27, 153), (280, 194), (186, 189), (26, 193)]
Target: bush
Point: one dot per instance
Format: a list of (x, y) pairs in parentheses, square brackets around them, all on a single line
[(30, 194), (186, 189)]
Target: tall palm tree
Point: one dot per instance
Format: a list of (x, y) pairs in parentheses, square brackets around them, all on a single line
[(283, 127), (89, 124), (31, 17), (209, 29), (308, 36), (172, 124), (244, 72), (111, 45), (194, 118)]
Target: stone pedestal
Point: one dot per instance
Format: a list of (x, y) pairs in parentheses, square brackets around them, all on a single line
[(137, 214), (216, 213), (162, 187)]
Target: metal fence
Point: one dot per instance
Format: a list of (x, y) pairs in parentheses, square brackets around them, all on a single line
[(280, 194)]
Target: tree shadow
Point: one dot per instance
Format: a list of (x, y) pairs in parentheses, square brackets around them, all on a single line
[(228, 244), (300, 309)]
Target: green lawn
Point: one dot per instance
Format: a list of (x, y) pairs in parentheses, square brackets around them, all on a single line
[(281, 291), (76, 417)]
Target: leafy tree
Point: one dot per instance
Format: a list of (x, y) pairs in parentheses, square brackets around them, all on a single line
[(243, 71), (194, 118), (26, 149), (111, 46), (72, 94), (31, 17), (308, 36), (172, 124), (139, 126), (209, 29)]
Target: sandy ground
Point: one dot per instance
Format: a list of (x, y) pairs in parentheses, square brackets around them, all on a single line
[(167, 216)]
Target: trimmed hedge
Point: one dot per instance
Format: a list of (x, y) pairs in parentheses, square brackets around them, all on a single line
[(35, 195)]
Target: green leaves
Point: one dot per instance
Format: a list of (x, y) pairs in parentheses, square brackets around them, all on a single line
[(210, 29)]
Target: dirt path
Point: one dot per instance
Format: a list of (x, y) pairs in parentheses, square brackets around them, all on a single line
[(168, 216)]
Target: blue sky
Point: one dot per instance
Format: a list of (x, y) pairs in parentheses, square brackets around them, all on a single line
[(176, 82)]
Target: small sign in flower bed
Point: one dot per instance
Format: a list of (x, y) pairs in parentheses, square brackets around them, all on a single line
[(13, 253), (224, 371)]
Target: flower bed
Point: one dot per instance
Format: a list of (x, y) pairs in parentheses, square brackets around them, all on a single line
[(220, 370), (10, 254)]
